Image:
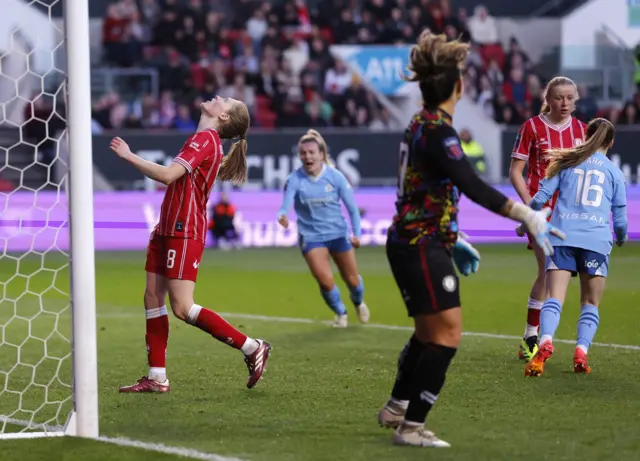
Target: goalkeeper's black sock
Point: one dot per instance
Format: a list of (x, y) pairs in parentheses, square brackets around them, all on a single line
[(428, 380), (406, 365)]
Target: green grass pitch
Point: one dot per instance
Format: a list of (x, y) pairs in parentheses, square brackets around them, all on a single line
[(323, 387)]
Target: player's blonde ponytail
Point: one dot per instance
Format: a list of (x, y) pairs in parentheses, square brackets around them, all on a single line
[(600, 133), (552, 85), (234, 164), (315, 136)]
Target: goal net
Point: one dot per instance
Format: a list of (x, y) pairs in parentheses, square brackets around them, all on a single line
[(36, 347)]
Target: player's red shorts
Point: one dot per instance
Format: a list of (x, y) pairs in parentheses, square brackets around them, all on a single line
[(550, 204), (174, 258)]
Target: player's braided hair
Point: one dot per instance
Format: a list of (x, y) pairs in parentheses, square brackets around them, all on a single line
[(548, 91), (436, 64), (315, 136), (600, 133), (234, 164)]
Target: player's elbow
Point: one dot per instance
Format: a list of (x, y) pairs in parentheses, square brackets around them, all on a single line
[(172, 173), (168, 177)]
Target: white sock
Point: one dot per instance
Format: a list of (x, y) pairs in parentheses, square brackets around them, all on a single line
[(531, 330), (546, 338), (158, 374), (155, 313), (583, 348), (411, 425), (403, 404), (250, 346)]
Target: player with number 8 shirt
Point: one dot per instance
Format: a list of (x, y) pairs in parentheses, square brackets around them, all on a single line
[(554, 128), (177, 242)]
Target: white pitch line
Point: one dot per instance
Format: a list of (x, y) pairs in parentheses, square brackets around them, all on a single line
[(268, 318), (58, 431), (161, 448)]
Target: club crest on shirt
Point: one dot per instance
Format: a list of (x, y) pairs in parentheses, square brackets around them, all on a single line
[(453, 147), (328, 188), (577, 141)]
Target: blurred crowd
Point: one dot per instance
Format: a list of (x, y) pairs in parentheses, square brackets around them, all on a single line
[(274, 56)]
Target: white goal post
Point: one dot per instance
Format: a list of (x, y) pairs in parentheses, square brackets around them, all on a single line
[(48, 350)]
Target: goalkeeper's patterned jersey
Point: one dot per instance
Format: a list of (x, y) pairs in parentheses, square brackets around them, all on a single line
[(427, 199)]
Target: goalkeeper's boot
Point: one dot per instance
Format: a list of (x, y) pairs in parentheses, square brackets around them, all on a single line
[(535, 367), (145, 384), (528, 348), (580, 364), (363, 312), (417, 436), (391, 415), (257, 362)]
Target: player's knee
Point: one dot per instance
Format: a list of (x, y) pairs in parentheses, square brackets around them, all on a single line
[(325, 281), (448, 336), (181, 308), (589, 299), (444, 329), (351, 279)]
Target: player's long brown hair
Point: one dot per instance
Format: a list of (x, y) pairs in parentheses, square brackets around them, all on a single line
[(548, 91), (315, 136), (600, 133), (234, 164), (436, 64)]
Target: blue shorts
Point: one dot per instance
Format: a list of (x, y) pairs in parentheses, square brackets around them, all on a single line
[(578, 260), (339, 245)]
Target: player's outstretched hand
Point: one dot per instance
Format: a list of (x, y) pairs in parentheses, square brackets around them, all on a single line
[(355, 241), (120, 147), (284, 221), (539, 228), (465, 257), (619, 243)]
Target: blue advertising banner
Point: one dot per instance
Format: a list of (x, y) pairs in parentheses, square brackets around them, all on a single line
[(382, 66), (633, 7)]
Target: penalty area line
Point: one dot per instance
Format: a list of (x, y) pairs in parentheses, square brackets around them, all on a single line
[(169, 450), (378, 326)]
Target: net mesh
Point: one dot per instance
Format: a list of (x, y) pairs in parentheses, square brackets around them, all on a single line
[(35, 323)]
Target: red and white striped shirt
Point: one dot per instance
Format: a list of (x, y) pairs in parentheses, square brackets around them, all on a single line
[(184, 208), (536, 136)]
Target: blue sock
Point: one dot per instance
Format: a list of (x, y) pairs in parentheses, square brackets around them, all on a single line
[(357, 292), (333, 300), (587, 325), (549, 319)]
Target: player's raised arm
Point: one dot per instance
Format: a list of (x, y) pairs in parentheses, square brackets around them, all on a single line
[(346, 194), (160, 173)]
